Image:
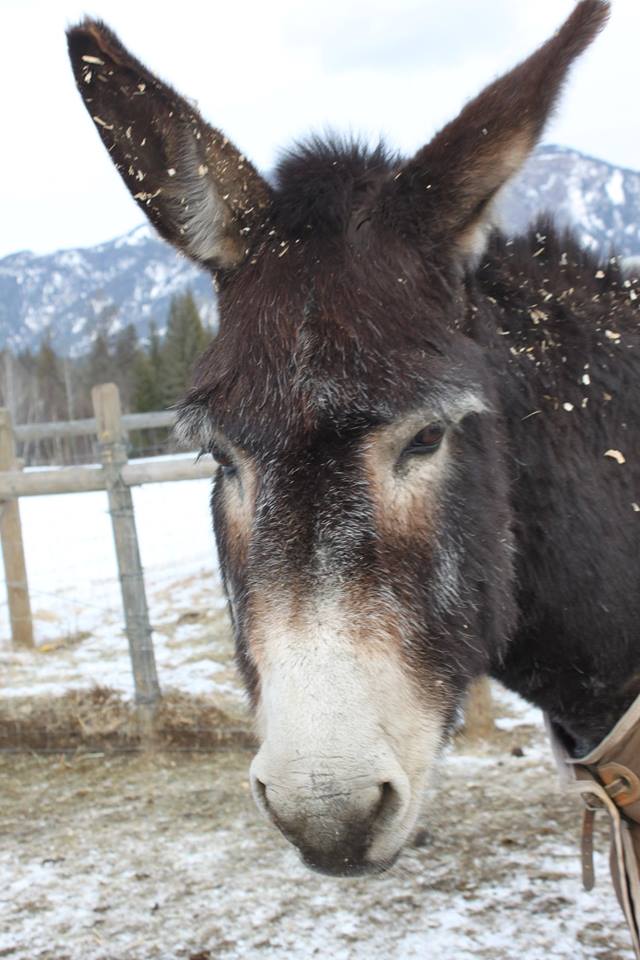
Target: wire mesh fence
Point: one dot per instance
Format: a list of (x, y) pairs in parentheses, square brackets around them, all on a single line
[(65, 451)]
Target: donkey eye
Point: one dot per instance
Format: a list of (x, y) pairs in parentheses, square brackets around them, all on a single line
[(428, 440), (223, 460)]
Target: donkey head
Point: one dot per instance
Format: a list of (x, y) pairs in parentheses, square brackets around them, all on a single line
[(361, 504)]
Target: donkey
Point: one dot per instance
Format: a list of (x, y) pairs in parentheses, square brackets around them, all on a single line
[(426, 434)]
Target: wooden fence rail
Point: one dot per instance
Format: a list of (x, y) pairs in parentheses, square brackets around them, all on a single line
[(116, 476), (15, 483), (81, 428)]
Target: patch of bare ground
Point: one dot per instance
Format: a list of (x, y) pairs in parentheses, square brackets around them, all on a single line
[(162, 855)]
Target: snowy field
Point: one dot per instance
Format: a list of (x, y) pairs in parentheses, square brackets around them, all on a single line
[(141, 857)]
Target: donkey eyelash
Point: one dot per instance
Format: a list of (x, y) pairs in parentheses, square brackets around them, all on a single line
[(224, 461), (204, 451)]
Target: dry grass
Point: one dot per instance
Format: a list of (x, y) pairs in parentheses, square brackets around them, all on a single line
[(101, 719)]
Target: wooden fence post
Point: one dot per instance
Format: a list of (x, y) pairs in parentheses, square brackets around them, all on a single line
[(113, 454), (479, 715), (12, 549)]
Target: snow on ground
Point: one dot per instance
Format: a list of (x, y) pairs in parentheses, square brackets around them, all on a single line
[(164, 856)]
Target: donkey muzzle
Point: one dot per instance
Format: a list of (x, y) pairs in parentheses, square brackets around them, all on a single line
[(343, 822)]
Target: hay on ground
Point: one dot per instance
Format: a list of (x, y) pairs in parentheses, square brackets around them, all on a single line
[(102, 719)]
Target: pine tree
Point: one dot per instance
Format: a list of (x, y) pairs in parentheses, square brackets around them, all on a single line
[(185, 340), (51, 397), (126, 353), (155, 350), (50, 380), (100, 367), (146, 392), (24, 372)]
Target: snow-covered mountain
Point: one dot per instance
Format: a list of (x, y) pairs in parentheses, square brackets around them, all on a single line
[(72, 294), (599, 201)]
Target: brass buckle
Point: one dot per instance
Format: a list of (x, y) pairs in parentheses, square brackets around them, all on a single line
[(622, 784)]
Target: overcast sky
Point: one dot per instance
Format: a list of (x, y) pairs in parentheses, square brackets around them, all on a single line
[(268, 71)]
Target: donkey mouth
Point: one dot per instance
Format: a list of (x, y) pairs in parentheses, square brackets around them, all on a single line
[(340, 850), (346, 854), (331, 866)]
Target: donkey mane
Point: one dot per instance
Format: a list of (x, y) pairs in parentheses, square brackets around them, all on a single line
[(321, 182), (548, 256)]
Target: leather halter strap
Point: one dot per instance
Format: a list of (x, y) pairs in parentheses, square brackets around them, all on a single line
[(624, 855), (608, 779)]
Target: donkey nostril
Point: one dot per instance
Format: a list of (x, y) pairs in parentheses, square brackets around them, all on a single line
[(260, 793), (390, 801)]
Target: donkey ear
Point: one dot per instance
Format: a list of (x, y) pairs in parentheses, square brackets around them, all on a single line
[(199, 192), (444, 193)]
